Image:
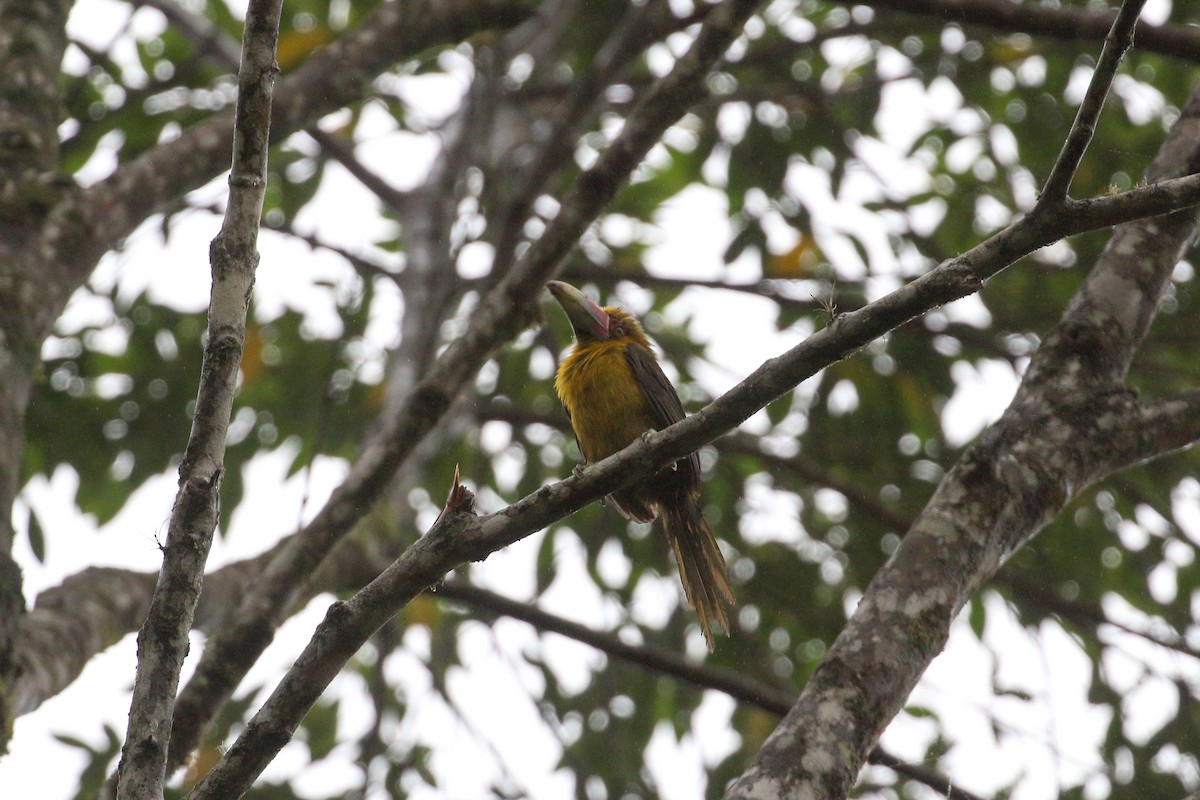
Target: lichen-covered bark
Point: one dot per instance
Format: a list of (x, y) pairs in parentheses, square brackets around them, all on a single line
[(1072, 423), (32, 41)]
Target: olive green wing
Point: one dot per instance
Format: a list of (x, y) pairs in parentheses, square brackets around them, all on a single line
[(660, 395), (578, 443)]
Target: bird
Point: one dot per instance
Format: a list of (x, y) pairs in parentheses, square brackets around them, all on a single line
[(614, 392)]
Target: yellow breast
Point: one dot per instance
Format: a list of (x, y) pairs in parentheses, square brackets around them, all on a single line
[(607, 407)]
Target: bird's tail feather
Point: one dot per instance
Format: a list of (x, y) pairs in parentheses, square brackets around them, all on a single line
[(701, 566)]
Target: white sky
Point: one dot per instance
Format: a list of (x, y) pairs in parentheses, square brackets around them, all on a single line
[(500, 723)]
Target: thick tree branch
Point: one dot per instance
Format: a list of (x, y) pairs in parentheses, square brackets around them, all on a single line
[(1070, 424), (1109, 316), (1057, 22), (163, 640), (1168, 425), (33, 37), (93, 609)]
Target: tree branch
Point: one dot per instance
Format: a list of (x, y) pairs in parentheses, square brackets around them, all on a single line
[(163, 640), (31, 108), (1109, 316), (1168, 425), (736, 685), (994, 262), (94, 608), (58, 641), (250, 628), (1116, 44), (636, 29), (429, 283), (213, 42), (1062, 22)]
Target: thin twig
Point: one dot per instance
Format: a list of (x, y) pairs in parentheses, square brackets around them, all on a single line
[(343, 153), (735, 684), (1116, 44)]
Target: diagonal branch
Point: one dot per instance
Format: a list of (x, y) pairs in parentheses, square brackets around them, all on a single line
[(213, 42), (163, 640), (1116, 44), (1168, 425), (1108, 318), (1071, 423), (634, 31)]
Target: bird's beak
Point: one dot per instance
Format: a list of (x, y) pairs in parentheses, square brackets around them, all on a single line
[(587, 318)]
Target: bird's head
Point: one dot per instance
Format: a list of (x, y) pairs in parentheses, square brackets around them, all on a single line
[(590, 321)]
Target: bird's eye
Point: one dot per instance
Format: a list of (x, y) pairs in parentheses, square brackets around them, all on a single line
[(619, 330)]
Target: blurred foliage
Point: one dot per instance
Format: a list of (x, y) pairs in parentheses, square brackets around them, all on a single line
[(831, 202)]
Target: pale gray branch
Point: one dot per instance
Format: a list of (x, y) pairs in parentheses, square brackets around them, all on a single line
[(163, 640), (1116, 44), (1167, 425)]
